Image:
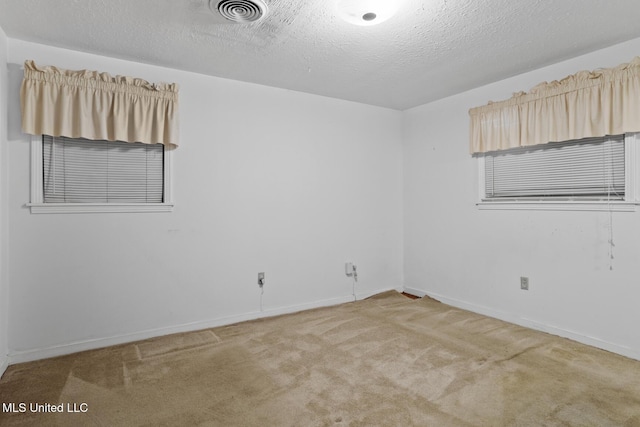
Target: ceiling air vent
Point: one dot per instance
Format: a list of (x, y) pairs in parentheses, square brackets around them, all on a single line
[(242, 11)]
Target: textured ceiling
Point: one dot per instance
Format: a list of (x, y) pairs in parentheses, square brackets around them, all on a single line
[(429, 50)]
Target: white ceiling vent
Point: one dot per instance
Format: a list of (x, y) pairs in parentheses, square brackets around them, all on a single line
[(242, 11)]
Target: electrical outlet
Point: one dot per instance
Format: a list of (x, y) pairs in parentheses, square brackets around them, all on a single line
[(351, 270), (524, 283), (348, 268), (261, 279)]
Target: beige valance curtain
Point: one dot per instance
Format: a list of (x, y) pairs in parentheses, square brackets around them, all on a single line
[(93, 105), (585, 104)]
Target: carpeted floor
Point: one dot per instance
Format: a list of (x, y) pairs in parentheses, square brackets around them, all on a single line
[(385, 361)]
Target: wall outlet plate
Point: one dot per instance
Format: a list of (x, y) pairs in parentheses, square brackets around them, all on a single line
[(524, 283), (348, 268)]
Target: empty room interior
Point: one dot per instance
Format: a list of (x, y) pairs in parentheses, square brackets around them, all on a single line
[(362, 212)]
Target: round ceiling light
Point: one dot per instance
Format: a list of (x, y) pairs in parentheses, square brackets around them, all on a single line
[(366, 12)]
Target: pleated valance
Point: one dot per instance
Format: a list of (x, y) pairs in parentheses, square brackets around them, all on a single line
[(585, 104), (94, 105)]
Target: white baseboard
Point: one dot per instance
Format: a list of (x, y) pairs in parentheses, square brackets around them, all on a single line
[(528, 323), (4, 363), (74, 347)]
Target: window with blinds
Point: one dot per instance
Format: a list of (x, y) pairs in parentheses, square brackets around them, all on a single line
[(78, 170), (586, 169)]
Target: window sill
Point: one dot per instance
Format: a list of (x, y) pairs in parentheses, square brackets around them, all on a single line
[(65, 208), (560, 205)]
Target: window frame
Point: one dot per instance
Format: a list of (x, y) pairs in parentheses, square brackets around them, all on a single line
[(38, 206), (631, 198)]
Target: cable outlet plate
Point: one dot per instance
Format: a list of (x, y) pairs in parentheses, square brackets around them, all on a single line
[(524, 283), (261, 279)]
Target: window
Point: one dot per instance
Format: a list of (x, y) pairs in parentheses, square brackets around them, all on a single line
[(590, 174), (94, 174), (81, 175)]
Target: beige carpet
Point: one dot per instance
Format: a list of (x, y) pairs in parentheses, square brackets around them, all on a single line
[(385, 361)]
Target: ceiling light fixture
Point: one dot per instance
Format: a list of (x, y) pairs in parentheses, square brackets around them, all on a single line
[(366, 12)]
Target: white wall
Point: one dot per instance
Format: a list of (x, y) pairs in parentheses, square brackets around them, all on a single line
[(295, 185), (264, 180), (3, 204), (474, 259)]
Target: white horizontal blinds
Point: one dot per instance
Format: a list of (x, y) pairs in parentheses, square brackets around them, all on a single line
[(85, 171), (587, 168)]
